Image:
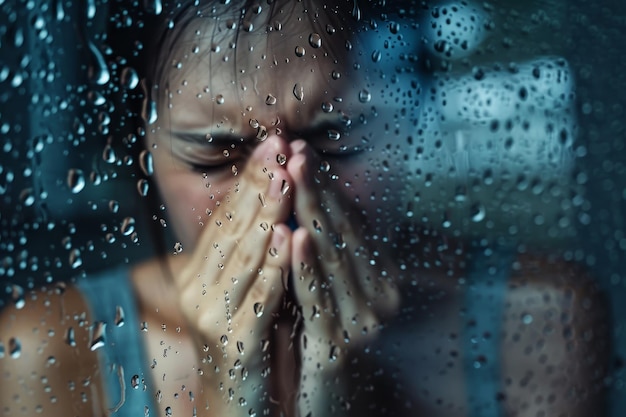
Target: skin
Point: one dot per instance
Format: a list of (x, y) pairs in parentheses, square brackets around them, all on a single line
[(240, 261)]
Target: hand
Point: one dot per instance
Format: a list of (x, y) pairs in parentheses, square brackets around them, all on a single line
[(344, 282), (233, 282)]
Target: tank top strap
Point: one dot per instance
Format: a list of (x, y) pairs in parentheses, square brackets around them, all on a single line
[(116, 336), (487, 279)]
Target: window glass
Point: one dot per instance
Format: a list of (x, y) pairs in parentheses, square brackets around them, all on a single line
[(312, 208)]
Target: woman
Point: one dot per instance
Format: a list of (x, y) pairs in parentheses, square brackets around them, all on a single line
[(300, 284)]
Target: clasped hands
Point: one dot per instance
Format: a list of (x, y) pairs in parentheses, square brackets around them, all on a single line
[(248, 262)]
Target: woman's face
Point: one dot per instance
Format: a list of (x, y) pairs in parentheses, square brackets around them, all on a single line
[(341, 92)]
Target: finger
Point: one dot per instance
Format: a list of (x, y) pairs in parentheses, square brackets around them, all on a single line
[(239, 228), (254, 315)]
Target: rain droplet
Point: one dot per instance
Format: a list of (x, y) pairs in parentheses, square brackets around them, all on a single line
[(240, 347), (224, 340), (97, 339), (300, 51), (270, 100), (119, 316), (284, 188), (254, 123), (128, 226), (129, 78), (298, 91), (219, 99), (324, 166), (317, 225), (17, 295), (281, 158), (75, 259), (364, 96), (377, 56), (261, 133), (75, 180), (356, 11), (134, 381), (142, 187), (262, 200), (334, 135), (98, 71), (258, 309), (478, 213), (327, 107), (178, 247), (114, 206), (273, 252), (15, 347), (315, 40), (264, 226), (336, 75), (394, 27), (334, 353), (108, 154), (70, 337), (146, 162), (149, 111)]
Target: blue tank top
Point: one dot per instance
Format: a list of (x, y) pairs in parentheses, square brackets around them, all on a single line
[(116, 337)]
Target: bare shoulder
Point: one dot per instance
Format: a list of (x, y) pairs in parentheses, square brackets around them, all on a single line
[(48, 367), (556, 339)]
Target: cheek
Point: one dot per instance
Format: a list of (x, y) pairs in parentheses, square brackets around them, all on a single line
[(189, 202)]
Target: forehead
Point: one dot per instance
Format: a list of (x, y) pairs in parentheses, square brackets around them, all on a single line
[(290, 65)]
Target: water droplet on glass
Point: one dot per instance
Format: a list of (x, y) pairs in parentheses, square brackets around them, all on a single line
[(97, 339), (75, 180), (336, 75), (219, 99), (315, 40), (17, 295), (128, 226), (334, 353), (298, 91), (300, 51), (261, 133), (377, 56), (70, 337), (273, 252), (258, 309), (153, 6), (254, 123), (364, 96), (317, 225), (75, 259), (119, 316), (178, 247), (129, 78), (334, 135), (270, 100), (478, 213), (327, 107), (281, 158), (264, 226), (134, 381), (224, 340), (149, 111), (15, 347), (98, 71), (284, 188), (240, 347), (324, 166), (142, 187), (146, 162), (356, 11), (394, 27)]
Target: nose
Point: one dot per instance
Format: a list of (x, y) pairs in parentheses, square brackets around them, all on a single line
[(273, 152)]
